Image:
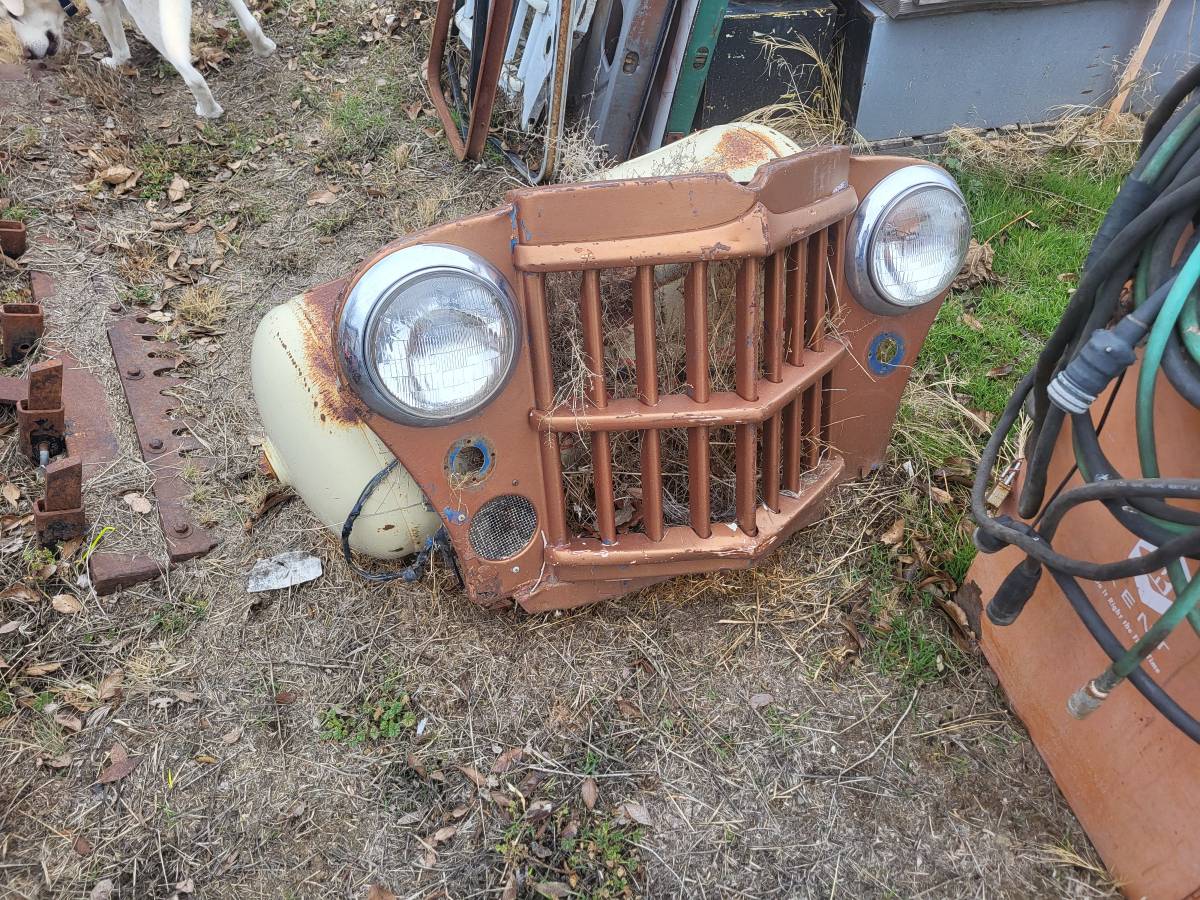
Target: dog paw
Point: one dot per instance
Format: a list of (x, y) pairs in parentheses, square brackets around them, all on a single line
[(266, 48), (113, 62), (209, 112)]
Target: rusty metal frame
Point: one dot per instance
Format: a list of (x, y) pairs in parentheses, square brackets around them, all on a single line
[(808, 412), (146, 377), (481, 104)]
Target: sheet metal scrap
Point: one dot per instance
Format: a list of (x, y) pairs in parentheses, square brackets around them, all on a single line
[(163, 440)]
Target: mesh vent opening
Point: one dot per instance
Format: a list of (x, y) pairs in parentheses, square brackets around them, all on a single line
[(503, 527)]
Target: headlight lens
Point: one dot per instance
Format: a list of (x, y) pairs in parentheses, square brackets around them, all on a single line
[(429, 334), (910, 236)]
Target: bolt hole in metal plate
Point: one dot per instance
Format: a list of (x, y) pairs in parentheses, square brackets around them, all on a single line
[(503, 527)]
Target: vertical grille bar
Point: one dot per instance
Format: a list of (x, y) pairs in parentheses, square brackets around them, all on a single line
[(797, 279), (695, 301), (811, 424), (746, 385), (773, 299), (543, 395), (645, 343), (837, 249), (795, 282), (814, 325), (597, 395)]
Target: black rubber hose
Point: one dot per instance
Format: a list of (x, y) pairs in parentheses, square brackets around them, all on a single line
[(1170, 101)]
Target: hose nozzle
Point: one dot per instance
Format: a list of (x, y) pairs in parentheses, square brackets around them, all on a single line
[(1086, 700)]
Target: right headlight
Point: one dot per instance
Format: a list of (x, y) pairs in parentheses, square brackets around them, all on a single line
[(429, 334), (908, 240)]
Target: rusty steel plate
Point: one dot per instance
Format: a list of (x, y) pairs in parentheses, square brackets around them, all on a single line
[(88, 429), (146, 374)]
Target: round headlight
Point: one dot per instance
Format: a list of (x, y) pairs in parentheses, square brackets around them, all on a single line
[(908, 239), (429, 334)]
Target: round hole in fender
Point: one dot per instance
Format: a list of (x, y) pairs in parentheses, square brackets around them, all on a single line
[(469, 461), (886, 353)]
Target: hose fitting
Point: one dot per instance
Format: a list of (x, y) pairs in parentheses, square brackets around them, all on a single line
[(1086, 700), (1014, 592), (1107, 353)]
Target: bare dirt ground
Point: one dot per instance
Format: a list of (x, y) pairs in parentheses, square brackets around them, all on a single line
[(805, 730)]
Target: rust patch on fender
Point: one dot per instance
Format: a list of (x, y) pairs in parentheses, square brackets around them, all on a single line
[(336, 404)]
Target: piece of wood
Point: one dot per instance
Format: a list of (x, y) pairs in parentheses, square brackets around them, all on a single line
[(1125, 85)]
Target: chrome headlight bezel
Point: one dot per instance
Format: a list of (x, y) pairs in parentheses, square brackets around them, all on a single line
[(872, 210), (373, 293)]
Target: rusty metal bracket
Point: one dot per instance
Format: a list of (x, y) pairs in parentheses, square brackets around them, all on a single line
[(13, 238), (21, 326), (41, 418), (163, 440), (59, 515)]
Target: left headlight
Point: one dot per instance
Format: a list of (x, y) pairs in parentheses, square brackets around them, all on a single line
[(429, 334), (907, 240)]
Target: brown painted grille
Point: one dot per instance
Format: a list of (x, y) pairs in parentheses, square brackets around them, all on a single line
[(778, 410)]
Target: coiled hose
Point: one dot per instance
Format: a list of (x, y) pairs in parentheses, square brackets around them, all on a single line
[(1138, 288)]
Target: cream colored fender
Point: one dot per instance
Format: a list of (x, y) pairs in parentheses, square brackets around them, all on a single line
[(328, 462)]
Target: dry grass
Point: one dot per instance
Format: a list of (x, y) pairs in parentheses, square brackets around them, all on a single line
[(1079, 135), (204, 304), (811, 117), (857, 775)]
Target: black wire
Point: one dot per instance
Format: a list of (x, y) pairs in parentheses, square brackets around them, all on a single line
[(355, 512)]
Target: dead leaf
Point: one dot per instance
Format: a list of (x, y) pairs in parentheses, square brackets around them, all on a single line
[(234, 736), (138, 503), (206, 759), (971, 322), (103, 889), (379, 892), (66, 604), (37, 670), (119, 770), (1001, 371), (82, 846), (632, 811), (442, 835), (940, 496), (976, 268), (23, 593), (758, 701), (895, 533), (414, 763), (69, 722), (590, 792), (11, 492), (505, 760), (552, 889), (115, 175), (472, 773), (629, 710), (286, 698), (110, 686), (177, 189), (322, 198)]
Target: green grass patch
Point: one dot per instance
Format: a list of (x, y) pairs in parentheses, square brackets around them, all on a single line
[(1040, 225), (177, 617), (384, 715)]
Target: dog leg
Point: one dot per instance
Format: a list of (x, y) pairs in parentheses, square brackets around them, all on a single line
[(263, 45), (107, 14), (175, 20)]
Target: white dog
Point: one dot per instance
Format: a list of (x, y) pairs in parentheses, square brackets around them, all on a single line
[(166, 24)]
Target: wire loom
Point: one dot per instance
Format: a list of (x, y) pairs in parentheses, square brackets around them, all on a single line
[(1146, 251)]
